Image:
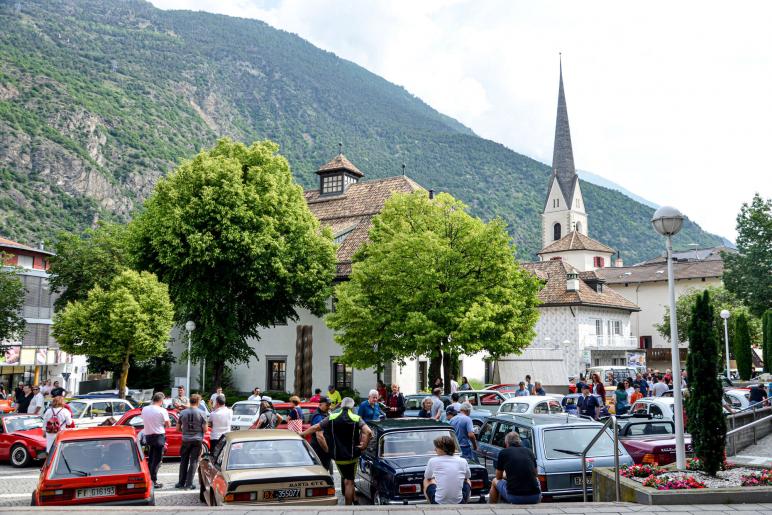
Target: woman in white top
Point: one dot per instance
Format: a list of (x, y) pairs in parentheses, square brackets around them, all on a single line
[(56, 418), (220, 419)]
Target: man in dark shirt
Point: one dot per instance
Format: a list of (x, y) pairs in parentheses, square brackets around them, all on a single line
[(757, 394), (192, 425), (518, 464), (318, 443), (588, 405), (23, 400)]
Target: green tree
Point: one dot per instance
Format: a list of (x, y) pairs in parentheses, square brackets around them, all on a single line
[(742, 348), (704, 406), (232, 236), (91, 258), (12, 324), (433, 281), (154, 372), (132, 318), (767, 339), (748, 274)]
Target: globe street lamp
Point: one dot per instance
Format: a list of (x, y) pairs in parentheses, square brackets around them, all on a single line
[(190, 326), (668, 221), (725, 315)]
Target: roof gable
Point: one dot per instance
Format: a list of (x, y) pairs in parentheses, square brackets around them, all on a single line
[(575, 240)]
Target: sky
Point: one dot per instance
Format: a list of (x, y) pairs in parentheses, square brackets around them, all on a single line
[(671, 100)]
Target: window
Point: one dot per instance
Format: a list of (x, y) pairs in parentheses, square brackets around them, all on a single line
[(598, 262), (618, 327), (598, 327), (486, 433), (556, 202), (501, 431), (277, 374), (654, 411), (332, 184), (101, 409), (24, 261), (556, 232), (541, 409), (342, 375), (555, 407), (423, 375), (578, 227), (119, 408), (526, 436)]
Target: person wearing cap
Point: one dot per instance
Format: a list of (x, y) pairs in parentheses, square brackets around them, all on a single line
[(464, 429), (346, 435), (370, 409), (56, 410), (334, 396), (268, 418), (588, 405), (318, 443)]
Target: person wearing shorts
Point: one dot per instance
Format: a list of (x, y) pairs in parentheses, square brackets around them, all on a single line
[(518, 464)]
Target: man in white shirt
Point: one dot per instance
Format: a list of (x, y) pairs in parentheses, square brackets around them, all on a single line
[(156, 420), (220, 420), (453, 386), (659, 387), (257, 395), (218, 391), (447, 477), (37, 403)]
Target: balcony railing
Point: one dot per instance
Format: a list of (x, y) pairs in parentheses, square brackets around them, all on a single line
[(610, 340)]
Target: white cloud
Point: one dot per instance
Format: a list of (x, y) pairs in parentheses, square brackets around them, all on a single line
[(669, 99)]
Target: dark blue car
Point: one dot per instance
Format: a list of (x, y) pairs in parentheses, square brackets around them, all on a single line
[(391, 469)]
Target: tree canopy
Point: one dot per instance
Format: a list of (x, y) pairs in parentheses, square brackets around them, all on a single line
[(131, 318), (231, 234), (742, 347), (433, 281), (748, 274), (12, 323)]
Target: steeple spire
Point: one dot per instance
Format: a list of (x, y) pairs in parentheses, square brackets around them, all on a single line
[(563, 155)]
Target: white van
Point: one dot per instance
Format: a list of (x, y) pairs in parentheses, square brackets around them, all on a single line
[(620, 373)]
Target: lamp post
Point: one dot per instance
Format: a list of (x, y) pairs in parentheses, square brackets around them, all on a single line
[(725, 315), (668, 221), (190, 326)]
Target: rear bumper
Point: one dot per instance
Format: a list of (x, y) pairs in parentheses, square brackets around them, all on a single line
[(474, 498), (313, 501), (129, 502)]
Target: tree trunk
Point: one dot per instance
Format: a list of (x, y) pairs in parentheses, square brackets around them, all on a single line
[(447, 368), (218, 368), (435, 366), (124, 377)]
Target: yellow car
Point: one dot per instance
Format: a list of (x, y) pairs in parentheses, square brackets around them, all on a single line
[(264, 466)]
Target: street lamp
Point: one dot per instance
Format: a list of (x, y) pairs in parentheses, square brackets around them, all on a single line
[(668, 221), (725, 315), (190, 326)]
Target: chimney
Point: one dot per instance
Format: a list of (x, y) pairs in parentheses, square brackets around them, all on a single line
[(431, 194), (618, 263), (572, 281)]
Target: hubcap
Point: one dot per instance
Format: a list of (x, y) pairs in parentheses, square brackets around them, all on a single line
[(19, 456)]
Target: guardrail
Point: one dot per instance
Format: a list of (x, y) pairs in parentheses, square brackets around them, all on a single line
[(731, 436), (612, 421)]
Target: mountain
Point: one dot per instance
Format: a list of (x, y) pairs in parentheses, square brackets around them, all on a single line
[(100, 98), (602, 181)]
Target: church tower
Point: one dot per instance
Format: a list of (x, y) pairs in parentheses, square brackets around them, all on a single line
[(564, 208)]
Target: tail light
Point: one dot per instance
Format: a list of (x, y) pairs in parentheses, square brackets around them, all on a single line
[(410, 489), (55, 495), (542, 482), (321, 491), (131, 488), (658, 458), (241, 497), (478, 484)]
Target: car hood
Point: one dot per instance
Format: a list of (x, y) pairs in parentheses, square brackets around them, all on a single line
[(35, 435), (274, 474)]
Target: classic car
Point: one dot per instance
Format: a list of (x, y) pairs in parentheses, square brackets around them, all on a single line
[(413, 406), (650, 441), (656, 408), (6, 406), (96, 465), (93, 412), (21, 439), (557, 442), (538, 404), (570, 400), (133, 418), (245, 414), (391, 469), (308, 409), (265, 467)]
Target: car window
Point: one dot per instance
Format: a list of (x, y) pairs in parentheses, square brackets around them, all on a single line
[(14, 424), (491, 400), (555, 407), (569, 442), (258, 454), (541, 409), (471, 398), (245, 409), (655, 411), (526, 436), (78, 408), (413, 402), (119, 408), (99, 457), (514, 407), (486, 433), (411, 443), (101, 409), (734, 401), (639, 407), (135, 421), (501, 431), (649, 429)]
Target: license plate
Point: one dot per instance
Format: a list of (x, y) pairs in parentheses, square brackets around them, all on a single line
[(100, 491), (281, 494), (578, 480)]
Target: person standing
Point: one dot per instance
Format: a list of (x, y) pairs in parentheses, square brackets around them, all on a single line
[(453, 385), (156, 420), (217, 391), (347, 436), (382, 391), (620, 399), (659, 387), (334, 396), (757, 394), (257, 394), (588, 405), (464, 384), (220, 420), (426, 408), (598, 388), (642, 384), (454, 401), (18, 392), (295, 422), (636, 395), (181, 401), (395, 402), (537, 389), (268, 418), (317, 396), (56, 417), (528, 385), (522, 391), (438, 406), (464, 428), (192, 425), (516, 481), (447, 476), (370, 410), (318, 443), (37, 403), (24, 400)]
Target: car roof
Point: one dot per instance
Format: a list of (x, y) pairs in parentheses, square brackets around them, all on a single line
[(246, 402), (90, 433), (262, 434), (557, 419), (532, 399), (394, 424)]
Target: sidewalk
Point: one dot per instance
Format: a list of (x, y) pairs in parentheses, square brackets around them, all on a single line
[(471, 509), (758, 455)]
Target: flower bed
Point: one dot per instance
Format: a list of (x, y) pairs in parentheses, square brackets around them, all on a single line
[(674, 482), (763, 478), (640, 470), (696, 464)]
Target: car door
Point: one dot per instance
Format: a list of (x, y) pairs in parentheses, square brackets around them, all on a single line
[(173, 437), (484, 451), (363, 481), (5, 442), (497, 441)]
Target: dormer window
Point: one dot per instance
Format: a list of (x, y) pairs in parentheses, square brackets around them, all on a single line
[(332, 184), (336, 176)]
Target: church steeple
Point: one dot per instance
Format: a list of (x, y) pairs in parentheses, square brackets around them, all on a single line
[(563, 154)]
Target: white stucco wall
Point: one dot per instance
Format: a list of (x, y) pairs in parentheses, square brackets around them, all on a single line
[(582, 260)]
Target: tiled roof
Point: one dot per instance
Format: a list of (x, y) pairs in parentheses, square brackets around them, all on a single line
[(352, 211), (10, 244), (576, 241), (340, 162), (658, 271), (554, 292), (706, 254)]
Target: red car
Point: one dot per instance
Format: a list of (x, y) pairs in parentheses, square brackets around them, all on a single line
[(21, 439), (283, 409), (6, 406), (503, 387), (100, 465), (650, 441), (133, 418)]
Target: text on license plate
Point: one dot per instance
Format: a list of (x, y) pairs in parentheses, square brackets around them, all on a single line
[(281, 494), (578, 480), (100, 491)]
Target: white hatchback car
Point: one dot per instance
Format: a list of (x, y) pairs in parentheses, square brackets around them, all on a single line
[(655, 407), (92, 412), (537, 404), (245, 413)]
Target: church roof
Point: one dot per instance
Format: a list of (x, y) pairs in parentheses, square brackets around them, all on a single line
[(576, 241), (554, 293), (563, 154), (340, 162), (349, 215)]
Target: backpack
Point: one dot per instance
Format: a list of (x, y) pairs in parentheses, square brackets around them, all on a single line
[(54, 425), (271, 420)]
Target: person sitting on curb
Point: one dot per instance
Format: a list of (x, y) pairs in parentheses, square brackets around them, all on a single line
[(447, 476), (518, 464)]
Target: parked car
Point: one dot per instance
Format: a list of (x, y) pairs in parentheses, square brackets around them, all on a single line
[(391, 469), (570, 401), (308, 409), (265, 467), (6, 406), (650, 441), (93, 412), (557, 442), (97, 466), (133, 418), (620, 373), (738, 398), (531, 404), (503, 387), (245, 414), (487, 400), (656, 408), (413, 406), (21, 439)]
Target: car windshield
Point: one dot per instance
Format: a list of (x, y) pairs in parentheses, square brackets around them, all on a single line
[(411, 443), (514, 407), (414, 402), (245, 409), (77, 408), (106, 457), (13, 424), (258, 454), (569, 442)]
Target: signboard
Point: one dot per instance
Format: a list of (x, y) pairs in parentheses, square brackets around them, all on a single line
[(636, 359), (40, 356)]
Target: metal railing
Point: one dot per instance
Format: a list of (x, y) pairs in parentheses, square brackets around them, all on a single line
[(612, 421), (731, 435)]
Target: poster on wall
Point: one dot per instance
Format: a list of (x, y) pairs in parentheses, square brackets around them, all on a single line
[(636, 359), (40, 356), (11, 355)]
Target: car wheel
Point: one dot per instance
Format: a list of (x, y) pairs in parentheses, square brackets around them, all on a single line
[(151, 502), (212, 498), (201, 489), (20, 456), (33, 502), (378, 499)]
